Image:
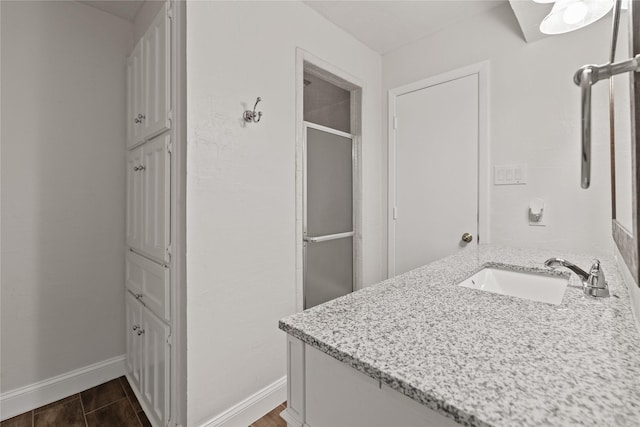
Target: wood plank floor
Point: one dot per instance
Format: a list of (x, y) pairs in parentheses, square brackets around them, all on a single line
[(107, 405), (272, 419)]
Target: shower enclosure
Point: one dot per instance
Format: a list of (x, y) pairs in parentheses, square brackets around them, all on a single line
[(328, 219), (329, 183)]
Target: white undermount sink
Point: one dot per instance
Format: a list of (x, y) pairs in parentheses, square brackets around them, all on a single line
[(532, 286)]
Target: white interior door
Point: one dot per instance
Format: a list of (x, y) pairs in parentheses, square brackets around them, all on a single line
[(436, 173)]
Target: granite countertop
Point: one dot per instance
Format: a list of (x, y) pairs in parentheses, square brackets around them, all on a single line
[(485, 359)]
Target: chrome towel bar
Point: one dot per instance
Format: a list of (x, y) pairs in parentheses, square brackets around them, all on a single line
[(586, 77), (328, 237)]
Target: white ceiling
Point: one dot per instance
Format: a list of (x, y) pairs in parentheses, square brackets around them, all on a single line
[(125, 9), (387, 25)]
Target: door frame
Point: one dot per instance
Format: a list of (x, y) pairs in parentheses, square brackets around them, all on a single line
[(480, 69), (307, 62)]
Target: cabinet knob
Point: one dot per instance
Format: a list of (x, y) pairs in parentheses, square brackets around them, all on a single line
[(138, 168), (140, 331), (467, 237), (138, 296), (139, 118), (135, 327)]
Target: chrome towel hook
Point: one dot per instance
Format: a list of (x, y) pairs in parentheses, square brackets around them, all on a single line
[(253, 116)]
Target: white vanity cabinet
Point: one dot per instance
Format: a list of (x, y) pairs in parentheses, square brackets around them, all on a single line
[(324, 392), (149, 83), (148, 198), (148, 359)]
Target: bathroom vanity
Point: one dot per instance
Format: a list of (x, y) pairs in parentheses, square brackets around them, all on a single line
[(419, 349)]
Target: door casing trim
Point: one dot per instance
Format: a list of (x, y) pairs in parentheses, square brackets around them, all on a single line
[(481, 69), (307, 62)]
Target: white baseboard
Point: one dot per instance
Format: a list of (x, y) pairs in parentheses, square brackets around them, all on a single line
[(253, 407), (23, 399)]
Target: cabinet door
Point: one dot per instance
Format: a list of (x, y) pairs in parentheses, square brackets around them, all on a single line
[(134, 342), (155, 205), (156, 367), (151, 282), (134, 199), (135, 113), (156, 66)]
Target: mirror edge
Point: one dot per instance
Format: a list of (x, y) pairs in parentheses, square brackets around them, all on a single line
[(629, 245)]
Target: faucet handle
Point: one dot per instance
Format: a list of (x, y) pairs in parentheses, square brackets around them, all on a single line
[(595, 269), (597, 284)]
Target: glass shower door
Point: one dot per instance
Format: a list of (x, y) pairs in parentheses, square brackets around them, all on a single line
[(328, 214)]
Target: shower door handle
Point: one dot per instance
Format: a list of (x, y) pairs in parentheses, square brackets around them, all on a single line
[(327, 237)]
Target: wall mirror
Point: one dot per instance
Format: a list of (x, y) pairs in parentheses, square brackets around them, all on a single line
[(624, 112)]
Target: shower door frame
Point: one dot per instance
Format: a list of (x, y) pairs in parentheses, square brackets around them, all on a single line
[(307, 62)]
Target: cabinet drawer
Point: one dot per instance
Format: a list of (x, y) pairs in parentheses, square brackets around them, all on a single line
[(150, 282)]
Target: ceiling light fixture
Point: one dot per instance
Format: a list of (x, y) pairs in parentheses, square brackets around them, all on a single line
[(570, 15)]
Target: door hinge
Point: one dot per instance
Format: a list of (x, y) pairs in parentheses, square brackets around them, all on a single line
[(170, 117), (169, 340), (168, 251), (395, 212), (170, 147), (170, 11), (395, 122)]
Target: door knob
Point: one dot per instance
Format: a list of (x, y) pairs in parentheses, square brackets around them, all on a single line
[(467, 237)]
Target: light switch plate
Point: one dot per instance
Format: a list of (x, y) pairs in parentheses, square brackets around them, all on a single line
[(510, 174)]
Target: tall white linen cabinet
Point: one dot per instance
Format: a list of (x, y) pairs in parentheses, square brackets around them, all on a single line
[(151, 223)]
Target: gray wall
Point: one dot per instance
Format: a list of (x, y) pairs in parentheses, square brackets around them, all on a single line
[(63, 131)]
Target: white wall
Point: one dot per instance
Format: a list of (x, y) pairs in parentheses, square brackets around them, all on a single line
[(241, 187), (63, 97), (535, 119)]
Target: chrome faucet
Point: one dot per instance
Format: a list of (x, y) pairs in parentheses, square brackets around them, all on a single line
[(593, 283)]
